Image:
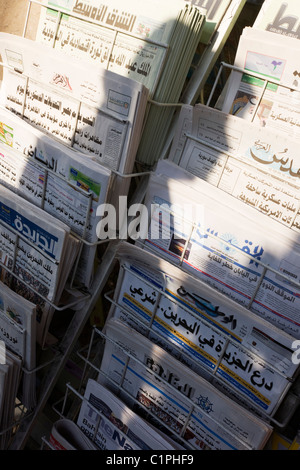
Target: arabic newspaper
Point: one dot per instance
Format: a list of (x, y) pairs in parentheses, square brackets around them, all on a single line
[(169, 391), (11, 371), (273, 105), (68, 185), (213, 237), (253, 164), (280, 17), (111, 425), (18, 331), (205, 330), (40, 253), (131, 42), (163, 40), (92, 110)]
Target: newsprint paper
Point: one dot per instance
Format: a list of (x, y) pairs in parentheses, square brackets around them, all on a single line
[(212, 236), (18, 332), (274, 104), (183, 402), (206, 331), (65, 183), (255, 165), (93, 110), (112, 425), (39, 253), (131, 42)]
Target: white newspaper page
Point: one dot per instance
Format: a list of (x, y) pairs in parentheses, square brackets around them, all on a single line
[(168, 390), (224, 246), (30, 161), (273, 57), (126, 55), (18, 331), (198, 321), (132, 43), (111, 425), (280, 17), (92, 110)]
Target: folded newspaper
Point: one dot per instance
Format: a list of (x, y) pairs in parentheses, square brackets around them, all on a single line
[(178, 400), (212, 236), (37, 255), (270, 96), (255, 165), (66, 435), (238, 352), (18, 332), (93, 110), (111, 425), (10, 376)]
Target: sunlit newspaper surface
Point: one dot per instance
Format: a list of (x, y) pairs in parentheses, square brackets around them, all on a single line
[(273, 57), (205, 330), (67, 184), (131, 42), (18, 332), (93, 110)]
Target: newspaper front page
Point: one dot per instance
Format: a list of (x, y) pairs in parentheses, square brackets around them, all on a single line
[(132, 42), (92, 110), (18, 332), (280, 17), (214, 238), (272, 57), (112, 425), (68, 185), (183, 401), (253, 164)]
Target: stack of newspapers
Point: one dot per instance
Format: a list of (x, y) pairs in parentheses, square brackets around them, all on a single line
[(219, 240), (178, 402), (151, 42), (112, 425), (87, 108), (241, 354), (66, 184), (81, 128), (18, 334), (10, 376)]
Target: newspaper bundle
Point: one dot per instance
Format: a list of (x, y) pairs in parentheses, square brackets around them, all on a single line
[(255, 165), (270, 96), (177, 399), (209, 233), (37, 255), (111, 425), (68, 185), (205, 330), (151, 42), (18, 332), (132, 42), (66, 435)]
